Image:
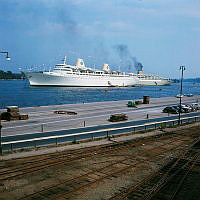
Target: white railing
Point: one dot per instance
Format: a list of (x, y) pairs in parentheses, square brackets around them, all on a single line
[(107, 131)]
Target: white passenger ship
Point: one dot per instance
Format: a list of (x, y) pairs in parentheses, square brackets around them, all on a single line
[(81, 76), (151, 80)]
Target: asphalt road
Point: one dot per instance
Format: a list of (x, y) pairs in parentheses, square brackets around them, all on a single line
[(43, 119)]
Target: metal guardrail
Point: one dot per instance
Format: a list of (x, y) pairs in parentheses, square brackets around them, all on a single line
[(107, 132)]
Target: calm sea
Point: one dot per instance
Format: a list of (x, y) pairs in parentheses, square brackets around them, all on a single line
[(18, 92)]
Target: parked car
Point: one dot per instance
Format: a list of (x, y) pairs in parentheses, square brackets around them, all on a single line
[(178, 109), (197, 105), (170, 109), (189, 95), (193, 108), (186, 108)]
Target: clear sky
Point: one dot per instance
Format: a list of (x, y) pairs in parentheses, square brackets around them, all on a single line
[(161, 34)]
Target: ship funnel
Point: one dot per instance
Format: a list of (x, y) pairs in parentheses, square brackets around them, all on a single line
[(140, 72), (106, 67), (80, 63)]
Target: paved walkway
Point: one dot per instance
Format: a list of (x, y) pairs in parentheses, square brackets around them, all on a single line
[(43, 119)]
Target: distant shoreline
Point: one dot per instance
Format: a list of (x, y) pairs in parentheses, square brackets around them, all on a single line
[(10, 79)]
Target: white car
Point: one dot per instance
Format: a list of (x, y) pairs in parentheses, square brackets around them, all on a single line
[(186, 107), (179, 96), (197, 105), (189, 95)]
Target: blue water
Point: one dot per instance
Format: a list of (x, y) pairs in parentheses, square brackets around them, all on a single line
[(18, 92)]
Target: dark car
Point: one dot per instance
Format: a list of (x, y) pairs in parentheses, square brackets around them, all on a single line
[(178, 109), (170, 109)]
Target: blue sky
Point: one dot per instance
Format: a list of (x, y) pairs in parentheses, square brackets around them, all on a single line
[(162, 35)]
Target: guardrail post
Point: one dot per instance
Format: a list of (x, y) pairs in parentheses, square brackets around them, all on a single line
[(155, 126), (74, 139), (42, 128), (83, 123), (107, 134), (1, 151), (92, 136)]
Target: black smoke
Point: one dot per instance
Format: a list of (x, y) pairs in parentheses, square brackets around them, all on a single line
[(138, 66), (127, 60)]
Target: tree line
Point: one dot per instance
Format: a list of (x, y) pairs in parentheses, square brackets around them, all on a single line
[(9, 75)]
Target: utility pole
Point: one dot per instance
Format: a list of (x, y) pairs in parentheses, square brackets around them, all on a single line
[(182, 68)]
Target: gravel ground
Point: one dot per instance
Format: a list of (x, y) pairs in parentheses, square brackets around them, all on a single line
[(13, 189)]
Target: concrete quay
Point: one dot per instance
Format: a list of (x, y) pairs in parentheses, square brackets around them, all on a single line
[(43, 118)]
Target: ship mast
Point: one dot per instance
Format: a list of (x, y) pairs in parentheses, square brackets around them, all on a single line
[(64, 60)]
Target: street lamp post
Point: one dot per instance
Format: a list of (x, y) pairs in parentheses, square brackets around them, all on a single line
[(182, 68), (1, 151), (5, 52)]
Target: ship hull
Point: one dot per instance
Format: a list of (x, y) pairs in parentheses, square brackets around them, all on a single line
[(75, 80)]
